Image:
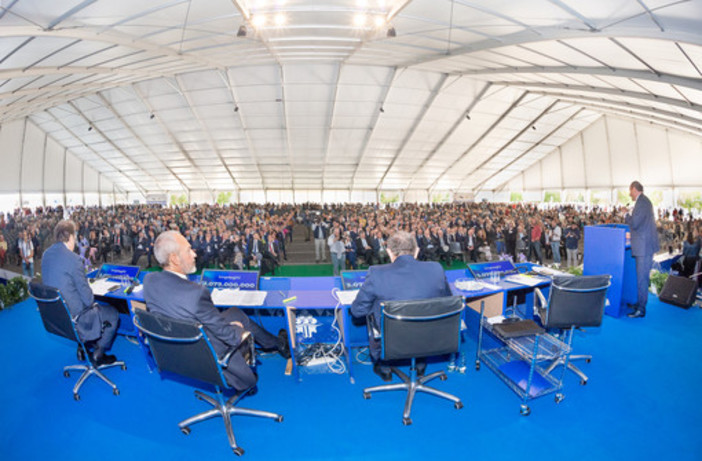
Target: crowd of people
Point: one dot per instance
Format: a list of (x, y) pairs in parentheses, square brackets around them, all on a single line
[(255, 235)]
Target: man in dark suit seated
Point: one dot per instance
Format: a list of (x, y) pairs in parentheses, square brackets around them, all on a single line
[(63, 269), (171, 293), (405, 278)]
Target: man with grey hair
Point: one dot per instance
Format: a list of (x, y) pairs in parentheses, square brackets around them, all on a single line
[(171, 293), (644, 244), (404, 278)]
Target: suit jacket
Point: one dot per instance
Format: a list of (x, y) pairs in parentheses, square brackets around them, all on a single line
[(175, 297), (63, 269), (642, 223), (406, 278)]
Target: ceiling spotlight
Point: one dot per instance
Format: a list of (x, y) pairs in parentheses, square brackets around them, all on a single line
[(382, 110), (379, 21), (467, 116), (359, 20), (280, 19), (392, 33), (151, 117), (533, 127), (242, 31), (90, 128), (258, 21), (236, 108)]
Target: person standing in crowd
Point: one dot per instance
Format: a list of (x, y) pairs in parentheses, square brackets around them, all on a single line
[(644, 244), (337, 249), (3, 250), (535, 245), (26, 251), (319, 230), (572, 239), (556, 233)]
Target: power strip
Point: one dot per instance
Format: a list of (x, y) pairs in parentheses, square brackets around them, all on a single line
[(320, 361)]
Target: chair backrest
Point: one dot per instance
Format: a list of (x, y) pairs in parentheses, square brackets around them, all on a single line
[(180, 347), (577, 301), (455, 247), (421, 328), (53, 310)]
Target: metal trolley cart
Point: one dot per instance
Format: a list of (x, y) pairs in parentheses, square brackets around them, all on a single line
[(516, 361)]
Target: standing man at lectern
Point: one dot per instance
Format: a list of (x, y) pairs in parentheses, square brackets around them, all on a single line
[(644, 243), (404, 278)]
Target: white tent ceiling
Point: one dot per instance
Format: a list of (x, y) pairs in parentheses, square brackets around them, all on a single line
[(163, 95)]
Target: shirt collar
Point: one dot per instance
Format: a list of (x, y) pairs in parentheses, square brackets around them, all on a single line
[(183, 276)]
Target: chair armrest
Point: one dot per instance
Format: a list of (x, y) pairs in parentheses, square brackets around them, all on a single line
[(540, 296), (372, 330), (245, 339)]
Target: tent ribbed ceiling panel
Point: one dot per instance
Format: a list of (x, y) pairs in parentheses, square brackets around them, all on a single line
[(247, 94)]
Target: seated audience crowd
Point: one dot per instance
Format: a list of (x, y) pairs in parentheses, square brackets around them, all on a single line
[(246, 236)]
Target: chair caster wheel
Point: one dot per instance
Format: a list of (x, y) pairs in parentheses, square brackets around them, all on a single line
[(366, 395), (66, 374), (443, 377), (583, 382), (279, 419), (458, 405), (238, 451), (76, 397), (406, 421), (124, 367), (115, 391), (588, 360), (477, 366), (185, 430), (559, 398), (524, 410)]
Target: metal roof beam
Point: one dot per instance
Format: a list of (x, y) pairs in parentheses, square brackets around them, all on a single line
[(694, 83), (374, 124), (532, 147), (449, 133), (205, 130), (480, 139), (136, 136), (514, 138), (328, 132), (173, 138), (427, 105)]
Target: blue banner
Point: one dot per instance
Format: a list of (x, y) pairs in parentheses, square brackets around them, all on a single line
[(117, 270), (353, 280), (243, 280)]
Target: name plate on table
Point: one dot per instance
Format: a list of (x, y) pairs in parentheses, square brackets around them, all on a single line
[(118, 270), (353, 280), (243, 280), (485, 270), (234, 297)]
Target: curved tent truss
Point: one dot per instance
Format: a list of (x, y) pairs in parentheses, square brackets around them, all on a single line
[(249, 95)]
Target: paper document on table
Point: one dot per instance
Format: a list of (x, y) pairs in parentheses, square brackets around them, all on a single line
[(550, 272), (101, 287), (229, 297), (347, 297), (137, 289), (528, 280)]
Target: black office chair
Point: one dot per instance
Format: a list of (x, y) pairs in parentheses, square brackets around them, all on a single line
[(57, 320), (183, 348), (573, 302), (415, 329)]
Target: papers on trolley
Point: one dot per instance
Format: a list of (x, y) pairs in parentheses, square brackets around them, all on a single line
[(229, 297), (550, 272), (101, 287), (347, 297), (528, 280)]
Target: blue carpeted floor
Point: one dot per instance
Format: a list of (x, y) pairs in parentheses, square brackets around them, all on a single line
[(644, 401)]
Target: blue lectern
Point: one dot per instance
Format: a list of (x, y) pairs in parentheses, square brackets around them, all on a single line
[(607, 251)]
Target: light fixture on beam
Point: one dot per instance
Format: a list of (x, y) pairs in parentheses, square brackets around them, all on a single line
[(392, 33), (242, 31)]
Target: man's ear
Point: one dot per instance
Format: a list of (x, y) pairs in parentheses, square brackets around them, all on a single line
[(416, 252)]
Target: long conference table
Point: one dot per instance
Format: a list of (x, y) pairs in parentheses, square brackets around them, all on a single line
[(309, 310)]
